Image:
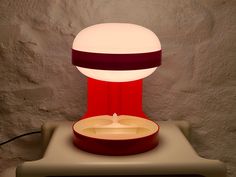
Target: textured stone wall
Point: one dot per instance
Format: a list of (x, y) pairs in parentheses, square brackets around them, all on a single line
[(196, 82)]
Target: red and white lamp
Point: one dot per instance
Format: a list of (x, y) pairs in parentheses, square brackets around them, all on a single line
[(115, 57)]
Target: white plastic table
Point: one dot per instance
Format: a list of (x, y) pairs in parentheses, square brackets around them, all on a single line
[(174, 157)]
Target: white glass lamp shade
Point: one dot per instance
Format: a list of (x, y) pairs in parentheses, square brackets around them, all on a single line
[(116, 52)]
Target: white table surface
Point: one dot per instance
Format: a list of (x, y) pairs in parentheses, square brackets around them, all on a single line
[(173, 156)]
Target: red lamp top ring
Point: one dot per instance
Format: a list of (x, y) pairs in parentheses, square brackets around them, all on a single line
[(108, 61)]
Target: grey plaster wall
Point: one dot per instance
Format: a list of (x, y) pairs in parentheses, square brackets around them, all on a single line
[(196, 82)]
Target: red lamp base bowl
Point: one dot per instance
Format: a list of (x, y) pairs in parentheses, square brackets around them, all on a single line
[(125, 136)]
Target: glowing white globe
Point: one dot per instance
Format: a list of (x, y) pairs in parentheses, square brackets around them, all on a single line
[(116, 39)]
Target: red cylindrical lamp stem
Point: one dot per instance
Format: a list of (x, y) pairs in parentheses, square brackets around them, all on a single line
[(107, 98)]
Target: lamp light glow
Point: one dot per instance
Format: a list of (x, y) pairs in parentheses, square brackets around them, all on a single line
[(116, 52)]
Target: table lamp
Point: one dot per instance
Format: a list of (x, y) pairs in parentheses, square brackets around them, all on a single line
[(115, 57)]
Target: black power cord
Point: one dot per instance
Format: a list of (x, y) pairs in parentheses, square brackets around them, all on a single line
[(19, 136)]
